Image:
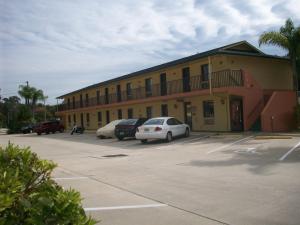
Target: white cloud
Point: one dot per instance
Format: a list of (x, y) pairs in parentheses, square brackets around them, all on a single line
[(96, 40)]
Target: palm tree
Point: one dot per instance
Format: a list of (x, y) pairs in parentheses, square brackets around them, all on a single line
[(25, 92), (32, 96), (287, 38), (37, 95)]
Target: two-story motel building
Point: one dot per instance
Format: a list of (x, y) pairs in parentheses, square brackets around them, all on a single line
[(232, 88)]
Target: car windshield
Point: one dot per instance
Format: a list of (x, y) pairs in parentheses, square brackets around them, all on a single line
[(128, 122), (154, 122)]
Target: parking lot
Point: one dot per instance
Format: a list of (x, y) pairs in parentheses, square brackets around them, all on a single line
[(207, 178)]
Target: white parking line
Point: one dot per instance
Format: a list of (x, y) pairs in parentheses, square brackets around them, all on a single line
[(193, 139), (178, 143), (225, 146), (124, 207), (290, 151), (69, 178)]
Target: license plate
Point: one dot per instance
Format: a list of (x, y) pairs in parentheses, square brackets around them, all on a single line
[(122, 133), (146, 129)]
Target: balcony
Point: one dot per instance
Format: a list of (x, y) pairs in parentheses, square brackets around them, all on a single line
[(224, 78)]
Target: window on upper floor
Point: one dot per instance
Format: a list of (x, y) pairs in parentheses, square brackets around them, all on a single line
[(106, 96), (148, 87), (119, 94), (81, 101), (69, 103), (73, 102), (86, 100), (204, 76), (98, 97), (128, 91)]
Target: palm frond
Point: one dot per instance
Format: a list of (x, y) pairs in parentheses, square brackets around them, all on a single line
[(274, 38)]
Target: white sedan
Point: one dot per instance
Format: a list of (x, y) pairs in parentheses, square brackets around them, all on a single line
[(108, 130), (162, 128)]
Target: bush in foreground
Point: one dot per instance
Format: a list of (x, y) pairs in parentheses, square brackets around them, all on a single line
[(29, 196)]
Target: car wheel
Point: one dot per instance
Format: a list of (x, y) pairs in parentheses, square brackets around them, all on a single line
[(144, 141), (101, 137), (53, 132), (120, 138), (169, 137), (47, 132), (187, 132), (39, 133), (61, 130)]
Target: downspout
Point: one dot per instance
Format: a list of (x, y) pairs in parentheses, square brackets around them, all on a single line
[(210, 74)]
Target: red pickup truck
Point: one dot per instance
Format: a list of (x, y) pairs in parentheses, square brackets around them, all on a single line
[(47, 127)]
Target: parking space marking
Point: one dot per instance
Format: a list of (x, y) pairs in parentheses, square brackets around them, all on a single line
[(178, 143), (290, 151), (194, 139), (248, 151), (69, 178), (225, 146), (125, 207)]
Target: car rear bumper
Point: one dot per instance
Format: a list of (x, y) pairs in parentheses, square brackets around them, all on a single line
[(150, 135)]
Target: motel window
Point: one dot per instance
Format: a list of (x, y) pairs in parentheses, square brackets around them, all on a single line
[(98, 97), (107, 117), (130, 113), (106, 96), (69, 103), (204, 72), (208, 109), (74, 118), (148, 87), (81, 101), (86, 99), (87, 119), (149, 112), (120, 114), (69, 119), (73, 102), (81, 120), (99, 117), (164, 110), (128, 90)]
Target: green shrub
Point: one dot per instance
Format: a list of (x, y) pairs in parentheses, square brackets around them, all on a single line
[(28, 195)]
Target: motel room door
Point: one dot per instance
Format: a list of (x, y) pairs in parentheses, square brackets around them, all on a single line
[(236, 114), (188, 114)]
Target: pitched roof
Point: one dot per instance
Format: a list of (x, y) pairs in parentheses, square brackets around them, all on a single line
[(239, 48)]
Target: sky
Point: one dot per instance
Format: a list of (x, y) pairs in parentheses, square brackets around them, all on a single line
[(63, 45)]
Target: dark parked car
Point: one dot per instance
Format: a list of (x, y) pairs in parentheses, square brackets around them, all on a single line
[(127, 128), (48, 127), (28, 128)]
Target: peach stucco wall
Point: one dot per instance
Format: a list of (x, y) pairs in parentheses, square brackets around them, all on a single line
[(278, 114)]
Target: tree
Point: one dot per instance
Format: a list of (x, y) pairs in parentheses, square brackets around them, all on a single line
[(25, 92), (28, 195), (287, 38), (31, 96)]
